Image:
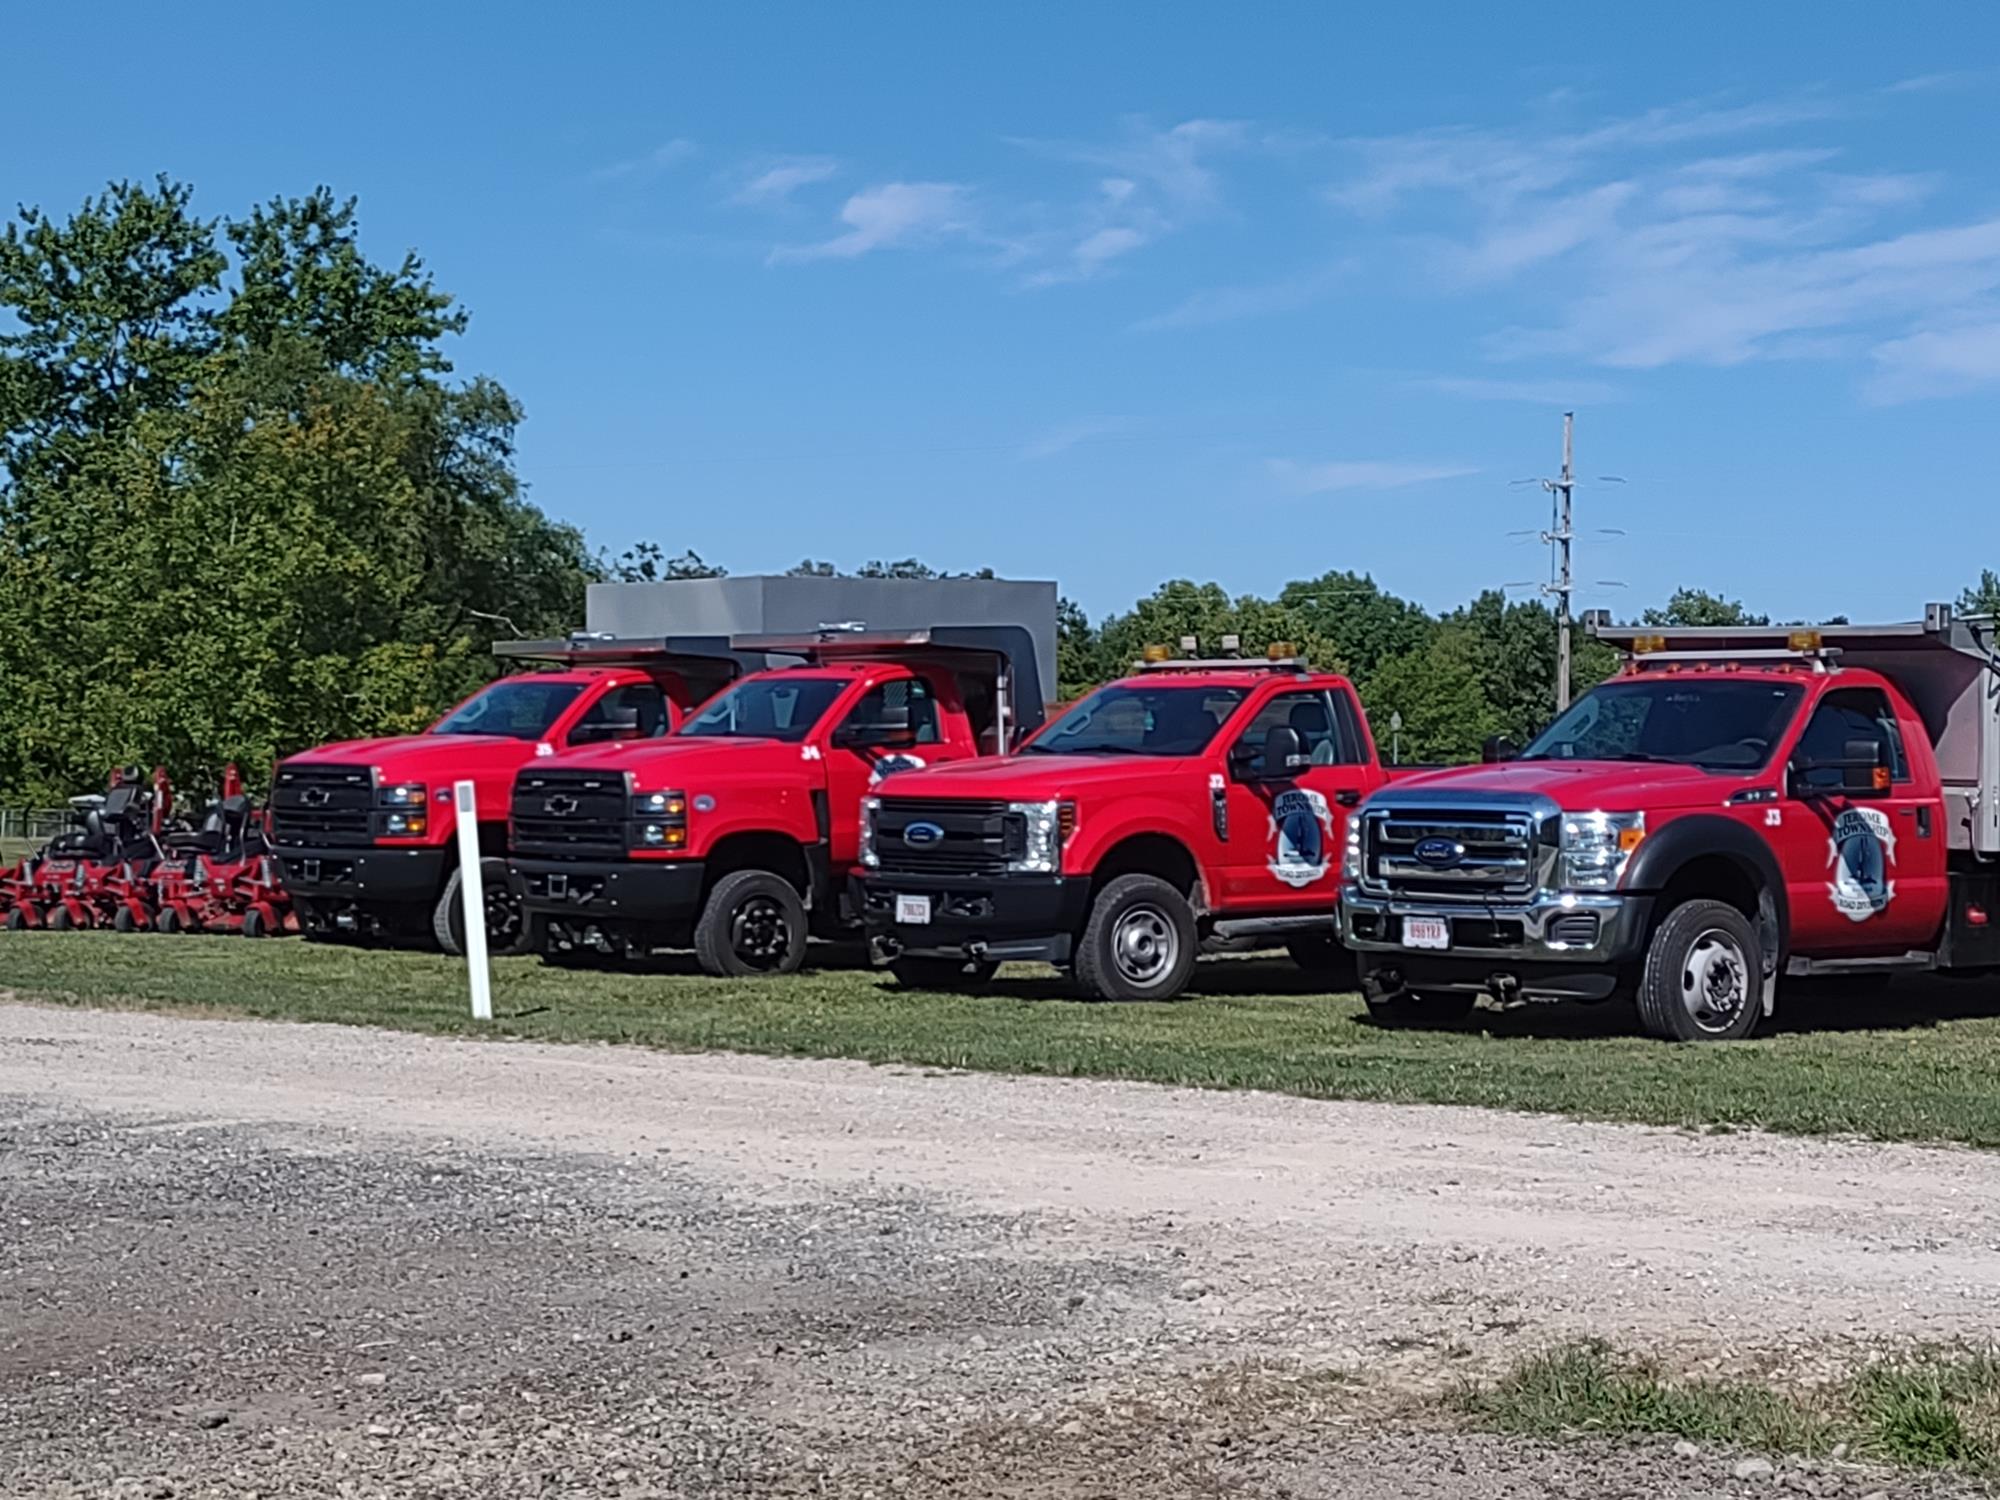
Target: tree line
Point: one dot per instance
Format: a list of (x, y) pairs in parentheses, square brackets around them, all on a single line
[(246, 506)]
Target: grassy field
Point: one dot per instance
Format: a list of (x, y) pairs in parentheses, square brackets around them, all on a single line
[(1922, 1063)]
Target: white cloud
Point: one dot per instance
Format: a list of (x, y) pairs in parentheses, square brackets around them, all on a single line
[(1231, 304), (1937, 361), (1108, 244), (662, 158), (1061, 439), (890, 214), (1565, 393), (777, 182), (1358, 474)]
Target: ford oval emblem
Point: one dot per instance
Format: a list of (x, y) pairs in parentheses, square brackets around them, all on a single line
[(923, 835), (1439, 854)]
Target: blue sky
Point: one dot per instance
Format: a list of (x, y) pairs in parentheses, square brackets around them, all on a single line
[(1119, 293)]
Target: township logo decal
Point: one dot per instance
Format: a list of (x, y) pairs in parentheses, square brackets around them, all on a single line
[(889, 765), (1862, 852), (1301, 831)]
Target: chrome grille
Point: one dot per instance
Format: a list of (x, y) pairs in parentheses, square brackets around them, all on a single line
[(1450, 853), (973, 837)]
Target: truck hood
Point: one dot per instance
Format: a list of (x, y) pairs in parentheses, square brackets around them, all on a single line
[(1613, 786), (423, 757), (685, 764), (1034, 777)]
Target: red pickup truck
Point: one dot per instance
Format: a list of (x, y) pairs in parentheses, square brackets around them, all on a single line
[(1736, 805), (365, 831), (1194, 799), (734, 835)]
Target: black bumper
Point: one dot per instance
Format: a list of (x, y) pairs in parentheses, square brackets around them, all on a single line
[(1026, 917), (613, 890), (387, 877)]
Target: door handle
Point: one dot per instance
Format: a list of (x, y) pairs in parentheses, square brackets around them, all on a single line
[(1348, 798)]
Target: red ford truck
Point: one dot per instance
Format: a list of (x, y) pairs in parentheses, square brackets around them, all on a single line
[(1736, 805), (365, 830), (734, 836), (1193, 799)]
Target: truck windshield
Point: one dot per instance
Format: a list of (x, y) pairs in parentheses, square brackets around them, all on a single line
[(520, 708), (1719, 724), (1140, 719), (767, 708)]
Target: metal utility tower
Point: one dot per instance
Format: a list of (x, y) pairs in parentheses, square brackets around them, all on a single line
[(1560, 537)]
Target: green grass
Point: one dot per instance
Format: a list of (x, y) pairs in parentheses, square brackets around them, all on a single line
[(1928, 1409), (1918, 1064)]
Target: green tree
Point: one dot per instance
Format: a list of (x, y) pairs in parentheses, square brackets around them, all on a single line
[(1078, 664), (1690, 607), (1440, 692), (1360, 623), (282, 526), (1983, 598), (1203, 610), (644, 562)]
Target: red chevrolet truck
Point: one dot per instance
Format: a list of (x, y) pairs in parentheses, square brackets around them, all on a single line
[(734, 835), (1734, 806), (365, 829), (1193, 799)]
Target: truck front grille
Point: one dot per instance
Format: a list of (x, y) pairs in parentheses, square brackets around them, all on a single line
[(1453, 853), (970, 838), (569, 814), (322, 804)]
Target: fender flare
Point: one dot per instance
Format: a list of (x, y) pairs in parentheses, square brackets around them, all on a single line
[(1702, 835)]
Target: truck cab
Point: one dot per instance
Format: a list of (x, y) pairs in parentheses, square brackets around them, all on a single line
[(365, 831), (1735, 805), (1194, 799), (734, 835)]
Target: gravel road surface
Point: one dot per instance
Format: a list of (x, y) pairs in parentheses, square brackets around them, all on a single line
[(244, 1259)]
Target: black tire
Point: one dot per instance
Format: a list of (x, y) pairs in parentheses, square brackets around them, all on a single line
[(1325, 957), (509, 934), (17, 920), (1419, 1010), (254, 925), (122, 920), (753, 924), (1140, 942), (168, 921), (942, 973), (1703, 976), (60, 919)]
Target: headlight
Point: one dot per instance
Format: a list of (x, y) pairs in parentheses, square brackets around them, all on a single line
[(870, 806), (405, 794), (404, 825), (1596, 847), (1350, 859), (1048, 825), (660, 805)]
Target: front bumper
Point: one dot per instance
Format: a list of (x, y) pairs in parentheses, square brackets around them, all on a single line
[(980, 917), (663, 892), (1569, 946), (389, 877)]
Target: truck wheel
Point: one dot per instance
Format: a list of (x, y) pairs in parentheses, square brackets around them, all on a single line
[(942, 973), (752, 923), (1140, 942), (1703, 976), (507, 927), (1416, 1010), (1325, 957)]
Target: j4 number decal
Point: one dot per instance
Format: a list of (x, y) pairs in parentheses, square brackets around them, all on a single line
[(1301, 832), (1862, 852)]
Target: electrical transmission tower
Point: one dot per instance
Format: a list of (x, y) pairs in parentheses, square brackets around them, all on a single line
[(1559, 536)]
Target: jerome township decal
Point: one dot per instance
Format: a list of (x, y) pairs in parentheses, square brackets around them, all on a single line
[(889, 765), (1301, 833), (1862, 851)]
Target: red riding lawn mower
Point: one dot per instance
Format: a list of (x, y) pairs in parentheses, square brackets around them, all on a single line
[(221, 876), (99, 873)]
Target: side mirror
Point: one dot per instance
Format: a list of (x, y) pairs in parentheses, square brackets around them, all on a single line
[(1284, 756), (1498, 748), (880, 736), (596, 732), (1863, 772)]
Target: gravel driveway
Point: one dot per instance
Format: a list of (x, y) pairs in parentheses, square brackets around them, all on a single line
[(245, 1259)]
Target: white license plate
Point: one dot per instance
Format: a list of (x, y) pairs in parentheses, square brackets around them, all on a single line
[(915, 910), (1426, 932)]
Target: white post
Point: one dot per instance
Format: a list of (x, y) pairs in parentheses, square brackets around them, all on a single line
[(472, 891)]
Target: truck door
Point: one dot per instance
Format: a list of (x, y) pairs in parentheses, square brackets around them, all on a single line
[(1865, 873), (1286, 837), (897, 724)]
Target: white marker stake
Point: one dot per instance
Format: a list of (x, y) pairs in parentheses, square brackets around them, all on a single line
[(472, 891)]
